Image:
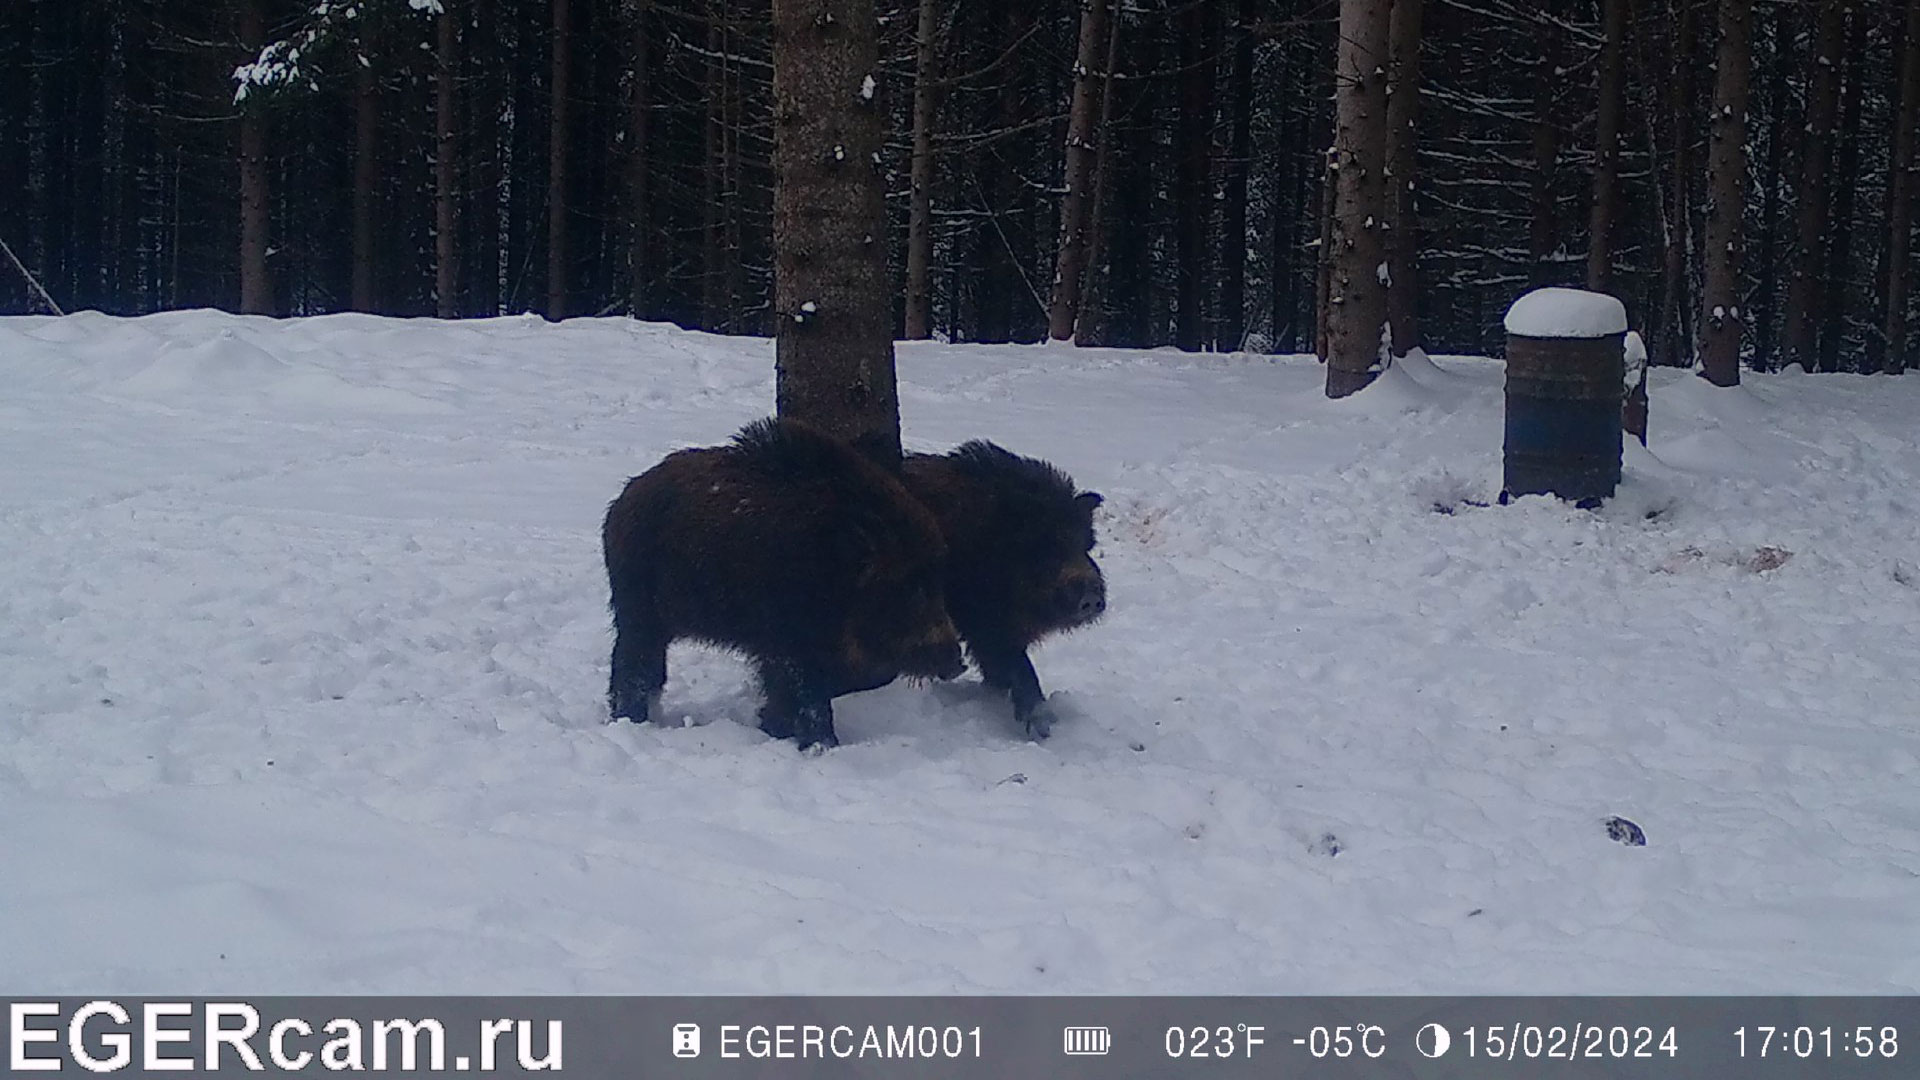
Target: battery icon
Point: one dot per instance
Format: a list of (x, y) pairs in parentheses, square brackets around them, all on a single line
[(1087, 1041)]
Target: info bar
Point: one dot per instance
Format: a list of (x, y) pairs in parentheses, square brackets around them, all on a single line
[(971, 1038)]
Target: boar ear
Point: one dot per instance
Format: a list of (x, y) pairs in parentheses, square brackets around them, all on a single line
[(1087, 500)]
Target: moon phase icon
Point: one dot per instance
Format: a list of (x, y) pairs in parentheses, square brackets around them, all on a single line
[(1433, 1040)]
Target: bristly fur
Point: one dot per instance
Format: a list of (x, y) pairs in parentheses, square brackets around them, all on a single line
[(788, 446), (992, 463)]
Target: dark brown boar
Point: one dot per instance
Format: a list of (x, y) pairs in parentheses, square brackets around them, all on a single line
[(789, 547), (1019, 564)]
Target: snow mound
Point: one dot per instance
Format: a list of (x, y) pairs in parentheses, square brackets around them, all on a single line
[(231, 367), (1566, 313)]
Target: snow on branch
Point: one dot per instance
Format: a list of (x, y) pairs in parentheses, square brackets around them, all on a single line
[(295, 60)]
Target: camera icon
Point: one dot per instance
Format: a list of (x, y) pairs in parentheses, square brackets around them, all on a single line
[(686, 1040)]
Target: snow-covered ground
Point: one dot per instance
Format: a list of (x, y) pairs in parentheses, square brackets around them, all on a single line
[(303, 651)]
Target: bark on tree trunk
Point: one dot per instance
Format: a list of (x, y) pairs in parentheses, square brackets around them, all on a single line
[(1546, 152), (1064, 308), (557, 166), (1798, 339), (1233, 213), (1720, 318), (834, 341), (926, 103), (1900, 195), (639, 106), (1606, 150), (1403, 235), (445, 245), (1356, 323), (256, 292)]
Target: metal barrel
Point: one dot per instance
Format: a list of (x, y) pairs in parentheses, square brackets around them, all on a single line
[(1563, 417)]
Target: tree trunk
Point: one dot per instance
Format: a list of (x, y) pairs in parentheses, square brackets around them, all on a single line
[(1832, 306), (1674, 347), (1606, 150), (1126, 276), (713, 171), (1075, 203), (1720, 320), (1799, 338), (1323, 265), (1768, 271), (40, 129), (1233, 211), (366, 133), (1090, 317), (445, 242), (926, 103), (557, 165), (1192, 185), (1326, 89), (1546, 152), (1356, 323), (114, 264), (1403, 234), (1284, 215), (639, 106), (1900, 195), (834, 342), (256, 292), (732, 276)]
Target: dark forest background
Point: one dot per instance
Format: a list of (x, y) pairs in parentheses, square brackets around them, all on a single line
[(419, 164)]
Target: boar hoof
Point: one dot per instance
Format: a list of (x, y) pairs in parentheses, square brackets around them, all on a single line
[(819, 743), (1038, 722)]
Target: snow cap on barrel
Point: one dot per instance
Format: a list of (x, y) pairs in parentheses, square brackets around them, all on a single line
[(1566, 313)]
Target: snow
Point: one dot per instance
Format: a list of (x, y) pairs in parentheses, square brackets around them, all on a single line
[(303, 658), (867, 87), (1634, 350), (1566, 313)]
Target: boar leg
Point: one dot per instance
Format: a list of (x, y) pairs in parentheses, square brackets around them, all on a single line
[(798, 705), (1006, 667), (639, 671)]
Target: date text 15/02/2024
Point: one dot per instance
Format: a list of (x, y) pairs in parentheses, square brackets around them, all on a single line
[(1552, 1042)]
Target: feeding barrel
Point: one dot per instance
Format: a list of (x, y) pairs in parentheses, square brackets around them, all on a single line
[(1565, 364)]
